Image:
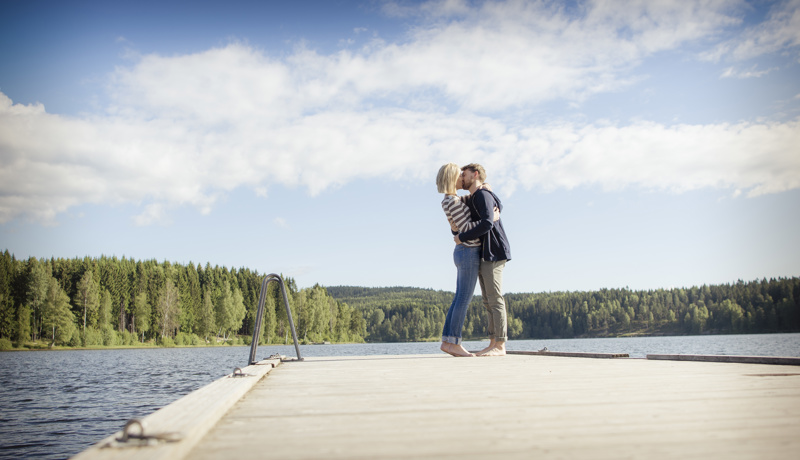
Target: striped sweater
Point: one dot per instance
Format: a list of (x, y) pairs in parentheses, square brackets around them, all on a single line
[(458, 213)]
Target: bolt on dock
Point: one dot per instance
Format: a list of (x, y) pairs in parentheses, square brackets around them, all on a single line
[(515, 406)]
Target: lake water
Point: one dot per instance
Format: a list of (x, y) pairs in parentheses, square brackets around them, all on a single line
[(54, 404)]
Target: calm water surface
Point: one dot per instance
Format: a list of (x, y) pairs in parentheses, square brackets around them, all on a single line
[(54, 404)]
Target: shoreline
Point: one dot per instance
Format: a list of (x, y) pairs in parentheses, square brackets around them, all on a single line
[(429, 340)]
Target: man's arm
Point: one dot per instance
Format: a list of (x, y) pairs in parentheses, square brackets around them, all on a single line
[(484, 204)]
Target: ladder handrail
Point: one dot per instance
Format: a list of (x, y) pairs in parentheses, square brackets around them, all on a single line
[(262, 299)]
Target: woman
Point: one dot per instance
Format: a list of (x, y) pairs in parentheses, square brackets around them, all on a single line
[(467, 258)]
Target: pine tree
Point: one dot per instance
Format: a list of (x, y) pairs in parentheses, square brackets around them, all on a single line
[(238, 312), (168, 309), (56, 314), (38, 282), (23, 332), (191, 299), (7, 311), (142, 312), (206, 321), (229, 310), (104, 312), (88, 299)]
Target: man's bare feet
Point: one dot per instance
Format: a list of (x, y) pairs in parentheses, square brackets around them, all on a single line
[(455, 350), (492, 344), (498, 350)]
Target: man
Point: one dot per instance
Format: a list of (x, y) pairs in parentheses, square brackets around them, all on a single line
[(495, 251)]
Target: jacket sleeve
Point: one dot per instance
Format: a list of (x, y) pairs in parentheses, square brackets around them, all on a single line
[(484, 205)]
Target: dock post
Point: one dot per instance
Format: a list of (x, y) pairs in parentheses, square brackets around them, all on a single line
[(262, 300)]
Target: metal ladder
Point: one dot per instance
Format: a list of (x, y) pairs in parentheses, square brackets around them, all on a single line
[(262, 299)]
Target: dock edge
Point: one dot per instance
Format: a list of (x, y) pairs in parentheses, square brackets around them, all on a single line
[(189, 418), (780, 360)]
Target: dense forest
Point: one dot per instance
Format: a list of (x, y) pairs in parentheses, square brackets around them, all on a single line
[(110, 302), (400, 314)]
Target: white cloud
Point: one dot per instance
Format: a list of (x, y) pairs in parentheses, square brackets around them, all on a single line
[(507, 54), (50, 163), (185, 130), (153, 213), (779, 32), (752, 72), (759, 157)]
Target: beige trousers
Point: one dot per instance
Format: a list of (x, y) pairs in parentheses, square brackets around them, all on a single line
[(491, 280)]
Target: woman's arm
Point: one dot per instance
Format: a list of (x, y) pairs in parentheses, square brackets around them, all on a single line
[(458, 214)]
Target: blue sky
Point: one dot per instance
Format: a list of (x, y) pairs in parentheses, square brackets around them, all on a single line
[(642, 144)]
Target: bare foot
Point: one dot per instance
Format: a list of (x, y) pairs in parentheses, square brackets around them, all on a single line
[(497, 350), (459, 350), (455, 350), (492, 344)]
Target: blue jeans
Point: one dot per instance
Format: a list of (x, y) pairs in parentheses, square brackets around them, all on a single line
[(468, 264)]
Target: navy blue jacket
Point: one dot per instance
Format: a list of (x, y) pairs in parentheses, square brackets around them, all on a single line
[(494, 243)]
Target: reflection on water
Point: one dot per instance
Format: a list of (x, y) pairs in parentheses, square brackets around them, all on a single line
[(56, 403)]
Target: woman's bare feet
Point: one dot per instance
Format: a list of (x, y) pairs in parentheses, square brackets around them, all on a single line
[(455, 350), (499, 349), (446, 348)]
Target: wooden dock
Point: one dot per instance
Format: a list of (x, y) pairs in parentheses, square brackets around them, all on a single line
[(516, 406)]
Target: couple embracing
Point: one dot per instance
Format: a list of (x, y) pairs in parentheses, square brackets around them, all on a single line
[(480, 254)]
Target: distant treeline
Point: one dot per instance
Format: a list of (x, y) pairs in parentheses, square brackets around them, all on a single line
[(400, 314), (110, 301)]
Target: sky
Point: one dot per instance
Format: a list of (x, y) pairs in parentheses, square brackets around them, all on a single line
[(642, 144)]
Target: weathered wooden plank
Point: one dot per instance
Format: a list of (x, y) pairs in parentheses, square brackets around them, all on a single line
[(188, 419), (778, 360), (517, 406)]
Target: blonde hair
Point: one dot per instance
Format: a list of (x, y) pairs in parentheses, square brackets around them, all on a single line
[(475, 167), (447, 177)]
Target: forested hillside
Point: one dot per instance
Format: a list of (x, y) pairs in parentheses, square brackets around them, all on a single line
[(110, 301), (398, 314)]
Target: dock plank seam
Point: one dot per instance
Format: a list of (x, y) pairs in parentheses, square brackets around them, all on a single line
[(570, 354)]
